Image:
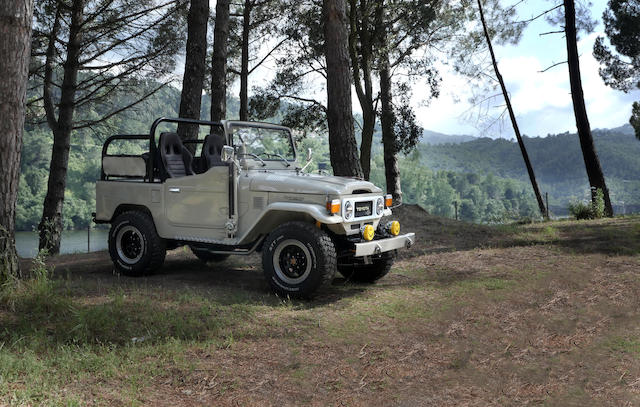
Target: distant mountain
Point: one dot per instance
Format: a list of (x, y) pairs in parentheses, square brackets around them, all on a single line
[(557, 161), (435, 138), (625, 130)]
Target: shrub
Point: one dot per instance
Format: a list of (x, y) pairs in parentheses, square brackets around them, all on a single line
[(598, 204), (592, 210)]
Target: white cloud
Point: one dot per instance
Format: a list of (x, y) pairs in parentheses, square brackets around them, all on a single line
[(542, 101)]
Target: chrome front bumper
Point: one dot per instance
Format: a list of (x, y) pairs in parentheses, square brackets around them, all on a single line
[(385, 245)]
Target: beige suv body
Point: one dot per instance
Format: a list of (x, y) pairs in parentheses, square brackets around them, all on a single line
[(249, 193)]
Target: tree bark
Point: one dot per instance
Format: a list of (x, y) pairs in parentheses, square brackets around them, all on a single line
[(244, 62), (343, 148), (388, 121), (194, 68), (512, 116), (15, 31), (219, 62), (50, 226), (591, 161)]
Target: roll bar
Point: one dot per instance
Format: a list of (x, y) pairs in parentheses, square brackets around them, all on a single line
[(113, 138)]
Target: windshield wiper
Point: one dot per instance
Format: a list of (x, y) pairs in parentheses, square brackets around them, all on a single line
[(287, 163), (256, 157)]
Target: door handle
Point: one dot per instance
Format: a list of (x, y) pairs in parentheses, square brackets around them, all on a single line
[(174, 190)]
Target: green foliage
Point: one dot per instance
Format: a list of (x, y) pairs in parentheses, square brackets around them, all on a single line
[(557, 161), (621, 69), (593, 210), (481, 198), (598, 204), (635, 119), (580, 210)]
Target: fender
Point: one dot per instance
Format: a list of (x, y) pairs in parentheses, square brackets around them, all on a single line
[(316, 212)]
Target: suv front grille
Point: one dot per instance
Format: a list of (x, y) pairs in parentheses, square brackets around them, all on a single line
[(364, 208)]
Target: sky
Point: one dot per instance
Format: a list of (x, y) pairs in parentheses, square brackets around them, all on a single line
[(542, 101)]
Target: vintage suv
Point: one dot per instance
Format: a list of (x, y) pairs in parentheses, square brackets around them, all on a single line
[(244, 192)]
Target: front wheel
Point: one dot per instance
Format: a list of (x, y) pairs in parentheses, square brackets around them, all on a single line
[(298, 258), (134, 245)]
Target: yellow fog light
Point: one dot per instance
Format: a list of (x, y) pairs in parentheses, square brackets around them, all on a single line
[(368, 232), (394, 227)]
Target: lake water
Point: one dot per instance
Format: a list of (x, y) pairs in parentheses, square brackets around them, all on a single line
[(73, 241)]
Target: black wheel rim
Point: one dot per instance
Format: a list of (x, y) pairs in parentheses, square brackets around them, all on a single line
[(129, 244), (292, 261)]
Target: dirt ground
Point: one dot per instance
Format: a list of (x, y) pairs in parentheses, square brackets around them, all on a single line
[(542, 314)]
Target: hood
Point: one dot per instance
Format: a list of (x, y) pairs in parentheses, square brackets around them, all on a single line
[(291, 182)]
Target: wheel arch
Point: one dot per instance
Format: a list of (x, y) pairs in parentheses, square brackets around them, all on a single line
[(122, 208), (279, 213)]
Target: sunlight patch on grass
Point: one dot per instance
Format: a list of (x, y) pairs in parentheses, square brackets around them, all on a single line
[(629, 346)]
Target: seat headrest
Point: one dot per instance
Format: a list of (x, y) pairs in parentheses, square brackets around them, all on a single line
[(176, 160), (214, 143), (171, 144), (212, 148)]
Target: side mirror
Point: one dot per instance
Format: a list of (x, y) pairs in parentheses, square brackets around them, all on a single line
[(226, 155), (309, 154)]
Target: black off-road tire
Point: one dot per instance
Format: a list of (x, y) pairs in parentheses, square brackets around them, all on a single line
[(308, 253), (366, 273), (206, 256), (134, 244)]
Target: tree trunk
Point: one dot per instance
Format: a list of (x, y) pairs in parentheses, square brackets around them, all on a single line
[(388, 121), (512, 116), (50, 226), (368, 126), (15, 31), (219, 62), (244, 62), (591, 161), (361, 61), (194, 68), (343, 148)]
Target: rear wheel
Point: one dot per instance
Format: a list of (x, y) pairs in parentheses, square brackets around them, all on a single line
[(366, 273), (206, 256), (134, 245), (298, 258)]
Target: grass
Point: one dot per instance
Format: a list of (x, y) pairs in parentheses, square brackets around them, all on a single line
[(546, 316)]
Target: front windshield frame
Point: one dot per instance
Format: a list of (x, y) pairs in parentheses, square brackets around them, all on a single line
[(232, 128)]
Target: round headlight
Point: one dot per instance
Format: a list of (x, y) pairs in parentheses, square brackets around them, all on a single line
[(348, 210), (379, 206)]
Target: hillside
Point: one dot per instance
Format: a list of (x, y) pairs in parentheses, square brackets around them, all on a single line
[(557, 161), (435, 138)]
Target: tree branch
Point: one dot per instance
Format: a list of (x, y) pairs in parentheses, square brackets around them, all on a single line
[(539, 15), (86, 124), (268, 55), (553, 66)]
